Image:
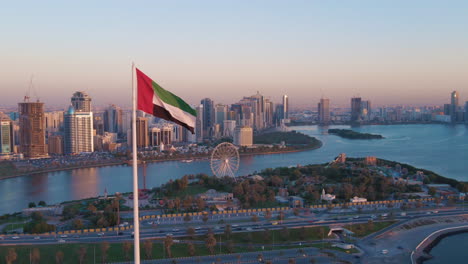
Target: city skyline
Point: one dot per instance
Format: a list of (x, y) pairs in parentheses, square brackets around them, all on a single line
[(334, 50)]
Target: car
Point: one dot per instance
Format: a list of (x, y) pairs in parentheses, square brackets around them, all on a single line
[(120, 234), (61, 241), (428, 212), (100, 234), (169, 234), (356, 217), (76, 236), (2, 238), (384, 251), (37, 238), (274, 223), (133, 234), (400, 247), (15, 237), (175, 230), (435, 212), (63, 236), (248, 229), (197, 228)]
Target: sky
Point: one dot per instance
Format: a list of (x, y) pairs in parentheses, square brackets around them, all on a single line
[(390, 52)]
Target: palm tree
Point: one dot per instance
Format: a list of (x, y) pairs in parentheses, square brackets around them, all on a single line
[(116, 205), (104, 248), (168, 241), (59, 257), (148, 245), (11, 256), (127, 246), (191, 249), (81, 254), (35, 256)]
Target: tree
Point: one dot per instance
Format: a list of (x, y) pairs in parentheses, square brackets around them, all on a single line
[(59, 257), (228, 231), (230, 246), (81, 254), (187, 218), (191, 249), (127, 246), (296, 211), (281, 216), (168, 241), (292, 261), (200, 204), (303, 233), (32, 204), (210, 243), (268, 215), (191, 232), (77, 224), (104, 248), (35, 256), (267, 235), (92, 208), (254, 218), (148, 245), (370, 225), (205, 218), (42, 203), (11, 256), (312, 261), (284, 233)]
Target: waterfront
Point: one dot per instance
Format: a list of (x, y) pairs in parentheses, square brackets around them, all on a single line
[(450, 249), (440, 148)]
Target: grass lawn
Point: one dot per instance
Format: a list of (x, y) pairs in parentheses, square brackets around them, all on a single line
[(362, 230), (191, 190), (329, 246)]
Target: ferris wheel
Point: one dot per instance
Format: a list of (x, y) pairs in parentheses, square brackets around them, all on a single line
[(225, 160)]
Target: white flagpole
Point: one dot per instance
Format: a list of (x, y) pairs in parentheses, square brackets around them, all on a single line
[(136, 220)]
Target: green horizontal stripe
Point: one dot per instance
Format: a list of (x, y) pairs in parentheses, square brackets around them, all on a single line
[(172, 99)]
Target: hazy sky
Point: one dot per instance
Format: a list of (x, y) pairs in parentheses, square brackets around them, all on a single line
[(391, 52)]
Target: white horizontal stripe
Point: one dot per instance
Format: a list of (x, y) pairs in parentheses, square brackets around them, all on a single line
[(176, 112)]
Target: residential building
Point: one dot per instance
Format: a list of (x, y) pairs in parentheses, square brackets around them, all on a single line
[(142, 136), (79, 132), (113, 119), (324, 111), (243, 136), (55, 145), (355, 109), (81, 102)]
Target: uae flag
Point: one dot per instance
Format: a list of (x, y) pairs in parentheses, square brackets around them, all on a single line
[(155, 100)]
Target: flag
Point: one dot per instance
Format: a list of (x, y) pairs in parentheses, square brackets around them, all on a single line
[(155, 100)]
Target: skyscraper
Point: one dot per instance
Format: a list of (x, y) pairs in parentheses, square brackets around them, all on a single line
[(32, 129), (208, 116), (454, 106), (365, 110), (78, 128), (355, 109), (221, 114), (199, 124), (6, 135), (285, 107), (81, 102), (324, 111), (113, 119), (142, 132), (279, 114)]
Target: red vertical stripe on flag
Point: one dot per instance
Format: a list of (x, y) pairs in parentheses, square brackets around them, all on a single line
[(145, 92)]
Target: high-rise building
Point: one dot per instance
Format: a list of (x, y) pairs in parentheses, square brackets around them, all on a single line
[(229, 128), (454, 106), (81, 102), (6, 135), (243, 136), (269, 113), (285, 107), (221, 114), (142, 132), (79, 134), (199, 124), (279, 114), (53, 122), (155, 136), (208, 116), (166, 135), (32, 129), (365, 110), (113, 119), (355, 109), (466, 112), (55, 143), (324, 111)]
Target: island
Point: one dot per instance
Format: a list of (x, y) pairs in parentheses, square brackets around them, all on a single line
[(351, 134)]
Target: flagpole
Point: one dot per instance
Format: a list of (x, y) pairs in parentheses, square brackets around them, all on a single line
[(136, 220)]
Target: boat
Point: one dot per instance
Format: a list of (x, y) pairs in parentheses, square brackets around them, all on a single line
[(187, 161)]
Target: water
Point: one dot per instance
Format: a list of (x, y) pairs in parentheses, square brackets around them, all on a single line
[(440, 148), (451, 249)]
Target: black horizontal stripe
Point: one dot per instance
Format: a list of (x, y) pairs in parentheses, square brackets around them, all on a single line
[(161, 112)]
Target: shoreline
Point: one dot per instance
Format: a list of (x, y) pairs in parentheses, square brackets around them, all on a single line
[(420, 256), (154, 161)]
